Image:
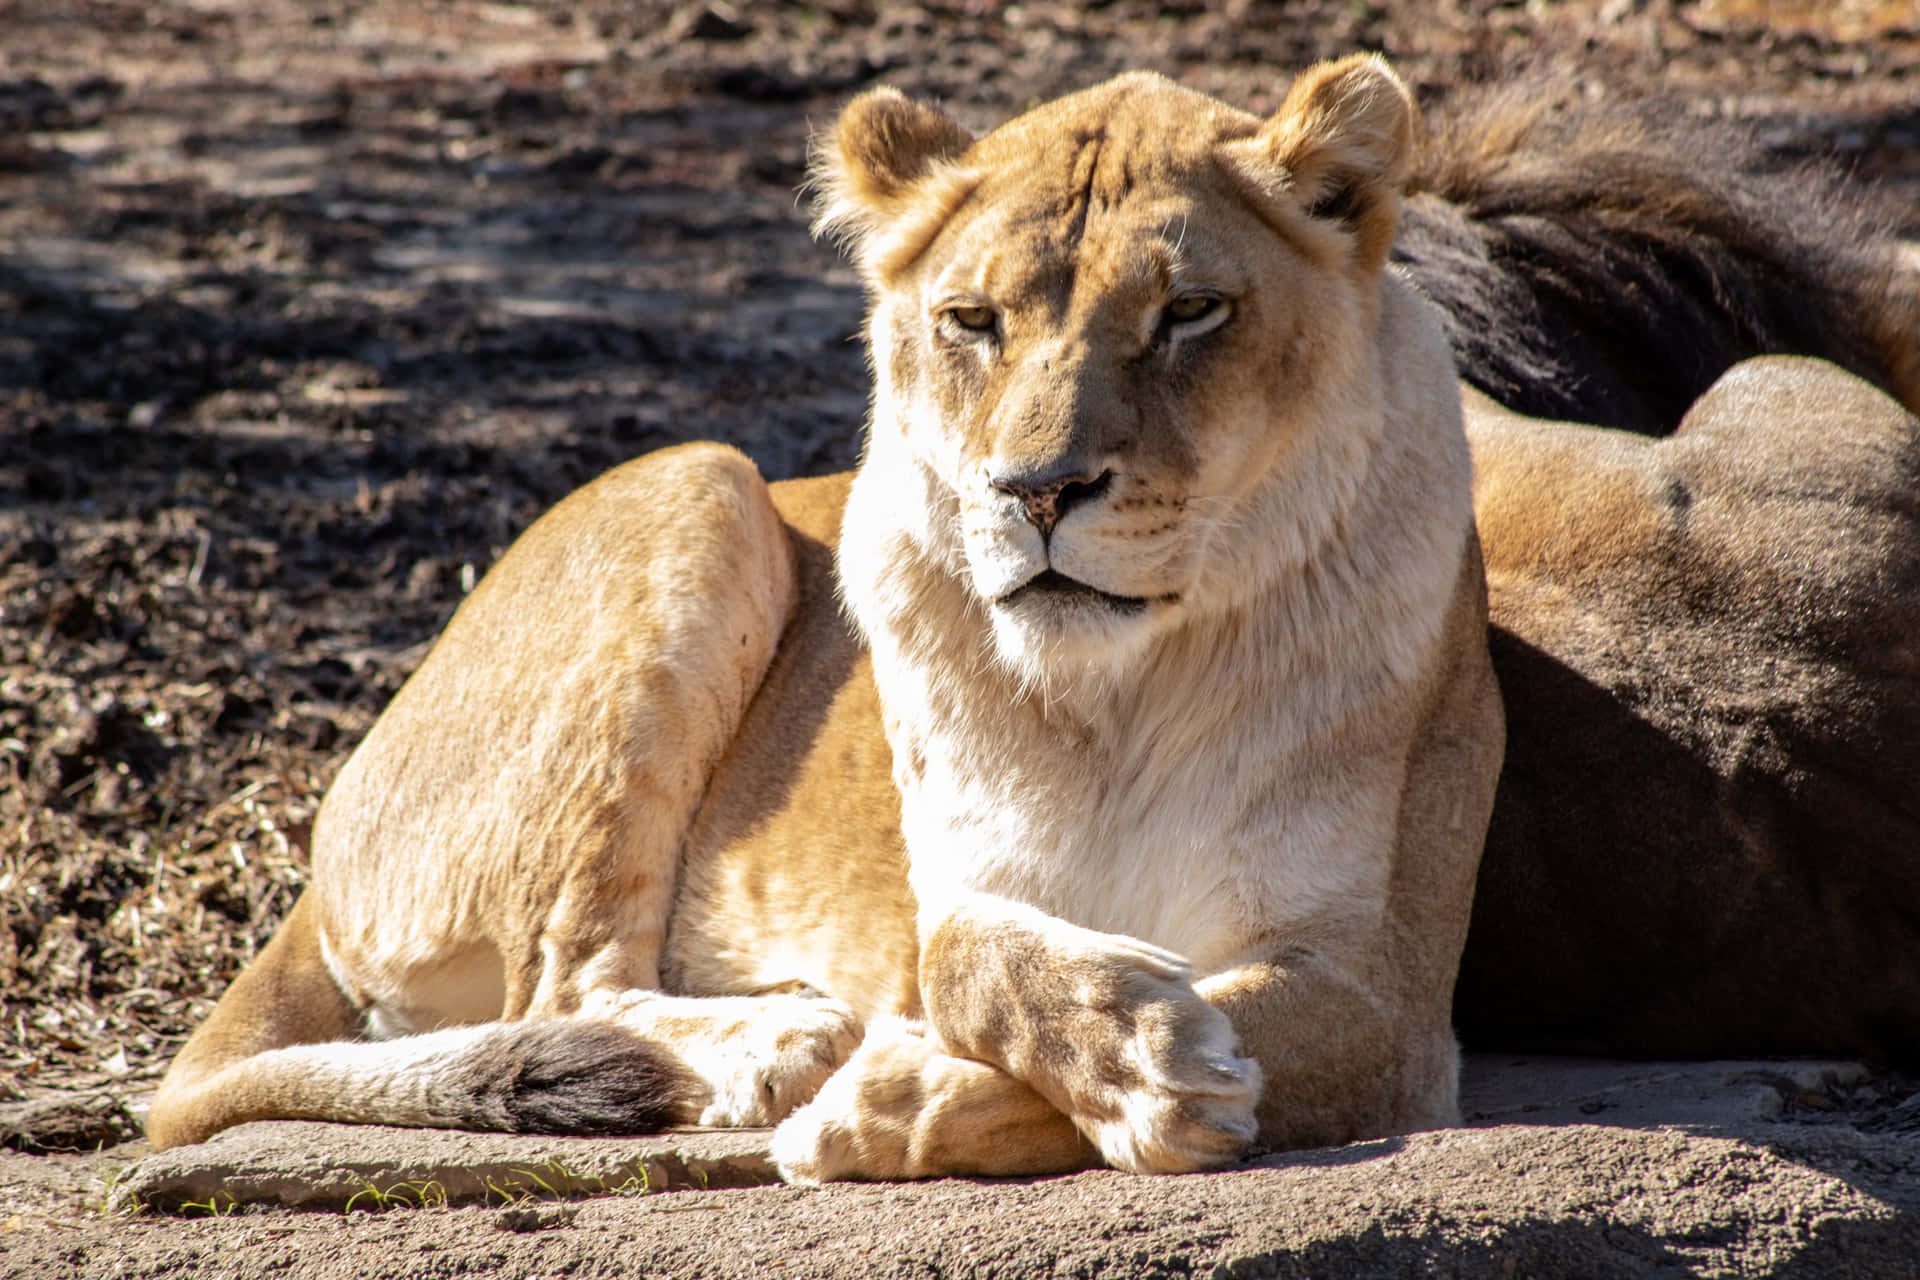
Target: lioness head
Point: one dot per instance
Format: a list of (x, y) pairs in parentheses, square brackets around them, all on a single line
[(1123, 345)]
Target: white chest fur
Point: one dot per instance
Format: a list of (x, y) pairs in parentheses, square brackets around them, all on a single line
[(1214, 798)]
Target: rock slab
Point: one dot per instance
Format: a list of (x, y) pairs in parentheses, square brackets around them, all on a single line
[(300, 1165)]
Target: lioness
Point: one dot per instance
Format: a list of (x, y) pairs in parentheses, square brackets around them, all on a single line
[(1168, 597)]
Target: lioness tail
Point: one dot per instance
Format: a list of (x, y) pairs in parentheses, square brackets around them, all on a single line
[(285, 1050)]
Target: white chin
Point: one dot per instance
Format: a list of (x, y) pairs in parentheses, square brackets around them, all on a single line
[(1051, 641)]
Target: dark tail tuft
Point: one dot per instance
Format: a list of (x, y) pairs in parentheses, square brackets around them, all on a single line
[(1606, 262), (579, 1077)]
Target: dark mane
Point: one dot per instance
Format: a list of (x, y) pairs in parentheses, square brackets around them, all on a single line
[(1606, 262)]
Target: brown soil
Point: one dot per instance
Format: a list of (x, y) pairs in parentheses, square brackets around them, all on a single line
[(307, 306)]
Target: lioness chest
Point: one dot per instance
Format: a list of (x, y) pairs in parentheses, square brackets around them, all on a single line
[(1199, 813)]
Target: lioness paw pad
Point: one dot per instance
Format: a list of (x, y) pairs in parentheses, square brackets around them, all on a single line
[(810, 1146), (774, 1059), (1175, 1095), (1161, 1133)]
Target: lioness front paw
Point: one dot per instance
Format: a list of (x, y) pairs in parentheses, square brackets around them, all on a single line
[(761, 1056), (903, 1107), (822, 1141), (1169, 1092), (864, 1117), (1154, 1076)]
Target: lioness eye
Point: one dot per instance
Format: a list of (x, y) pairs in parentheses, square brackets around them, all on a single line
[(973, 319), (1191, 307)]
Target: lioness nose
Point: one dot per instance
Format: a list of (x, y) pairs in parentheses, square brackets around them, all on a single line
[(1048, 497)]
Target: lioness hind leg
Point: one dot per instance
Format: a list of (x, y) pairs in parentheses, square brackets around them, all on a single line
[(284, 997), (526, 795), (903, 1107), (504, 846)]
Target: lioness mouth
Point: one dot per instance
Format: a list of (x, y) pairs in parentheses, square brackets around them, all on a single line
[(1053, 585)]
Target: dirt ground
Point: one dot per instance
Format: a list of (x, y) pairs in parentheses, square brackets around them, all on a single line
[(308, 306)]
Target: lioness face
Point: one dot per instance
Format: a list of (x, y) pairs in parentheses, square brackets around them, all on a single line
[(1113, 333)]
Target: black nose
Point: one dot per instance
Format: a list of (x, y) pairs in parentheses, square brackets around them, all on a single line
[(1048, 496)]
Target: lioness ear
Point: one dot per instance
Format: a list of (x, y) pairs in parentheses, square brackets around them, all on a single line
[(1342, 146), (882, 147)]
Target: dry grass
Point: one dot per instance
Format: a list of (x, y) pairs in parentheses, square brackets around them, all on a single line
[(154, 798)]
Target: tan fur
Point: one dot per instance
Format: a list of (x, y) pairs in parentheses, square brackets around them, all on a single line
[(1710, 646), (1139, 821)]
